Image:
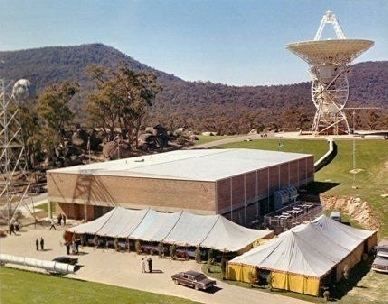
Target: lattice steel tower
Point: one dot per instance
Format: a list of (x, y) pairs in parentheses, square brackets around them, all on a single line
[(329, 66), (14, 182)]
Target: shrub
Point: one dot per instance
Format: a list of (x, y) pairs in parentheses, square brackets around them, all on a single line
[(198, 255), (161, 250), (173, 251), (116, 244), (269, 281), (210, 255)]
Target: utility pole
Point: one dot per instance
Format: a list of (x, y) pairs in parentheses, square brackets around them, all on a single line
[(354, 152)]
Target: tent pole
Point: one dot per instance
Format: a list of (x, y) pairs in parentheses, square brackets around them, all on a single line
[(256, 197), (245, 198), (216, 198), (231, 199), (305, 171), (289, 178), (298, 174), (268, 189)]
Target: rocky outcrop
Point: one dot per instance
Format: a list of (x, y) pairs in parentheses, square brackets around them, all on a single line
[(356, 208)]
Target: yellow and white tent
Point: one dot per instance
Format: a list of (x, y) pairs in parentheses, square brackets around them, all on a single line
[(299, 258)]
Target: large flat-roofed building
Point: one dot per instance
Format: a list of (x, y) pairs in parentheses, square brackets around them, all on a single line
[(237, 183)]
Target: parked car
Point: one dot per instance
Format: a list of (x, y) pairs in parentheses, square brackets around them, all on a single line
[(382, 251), (380, 264), (336, 216), (193, 279)]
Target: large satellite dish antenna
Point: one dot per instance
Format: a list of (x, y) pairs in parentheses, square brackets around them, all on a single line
[(329, 65)]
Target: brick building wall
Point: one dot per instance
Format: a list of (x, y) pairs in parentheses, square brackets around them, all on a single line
[(234, 193)]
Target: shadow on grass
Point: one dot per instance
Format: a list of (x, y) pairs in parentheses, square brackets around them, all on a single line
[(320, 187), (356, 274)]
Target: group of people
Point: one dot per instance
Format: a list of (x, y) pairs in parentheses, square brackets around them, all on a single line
[(14, 226), (147, 261), (73, 245), (61, 217), (39, 242)]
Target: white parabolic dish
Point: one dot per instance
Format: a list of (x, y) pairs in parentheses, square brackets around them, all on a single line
[(333, 51)]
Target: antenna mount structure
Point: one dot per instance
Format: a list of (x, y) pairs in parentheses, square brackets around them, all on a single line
[(329, 62), (14, 182)]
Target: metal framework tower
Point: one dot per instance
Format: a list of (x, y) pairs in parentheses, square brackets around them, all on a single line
[(329, 62), (14, 182)]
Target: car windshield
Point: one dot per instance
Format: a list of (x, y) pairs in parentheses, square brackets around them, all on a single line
[(200, 277)]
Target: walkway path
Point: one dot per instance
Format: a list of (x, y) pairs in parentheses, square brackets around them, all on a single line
[(124, 269)]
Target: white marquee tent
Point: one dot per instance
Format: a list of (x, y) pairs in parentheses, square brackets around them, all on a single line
[(299, 257), (181, 228)]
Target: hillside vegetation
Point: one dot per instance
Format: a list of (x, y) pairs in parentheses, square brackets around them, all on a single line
[(197, 105)]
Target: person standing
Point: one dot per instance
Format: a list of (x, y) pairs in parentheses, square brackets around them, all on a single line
[(37, 244), (41, 243), (64, 219), (12, 229), (76, 242), (16, 225), (143, 265), (52, 225), (59, 219), (149, 260), (67, 247)]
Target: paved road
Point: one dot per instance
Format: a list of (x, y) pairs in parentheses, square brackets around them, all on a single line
[(124, 269)]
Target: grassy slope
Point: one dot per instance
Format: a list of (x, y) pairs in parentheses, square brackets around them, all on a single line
[(315, 147), (205, 139), (18, 286), (371, 156)]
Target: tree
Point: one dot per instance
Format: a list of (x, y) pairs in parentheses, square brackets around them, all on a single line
[(373, 119), (55, 113), (30, 130), (121, 100)]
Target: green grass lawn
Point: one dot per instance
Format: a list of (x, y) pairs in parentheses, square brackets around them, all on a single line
[(44, 207), (205, 139), (371, 157), (315, 147), (18, 286)]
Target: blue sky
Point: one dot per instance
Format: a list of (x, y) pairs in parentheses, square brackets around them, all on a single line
[(235, 42)]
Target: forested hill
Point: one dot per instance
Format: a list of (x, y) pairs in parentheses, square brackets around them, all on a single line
[(199, 105)]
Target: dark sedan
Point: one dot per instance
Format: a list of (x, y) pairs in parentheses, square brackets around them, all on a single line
[(193, 279)]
